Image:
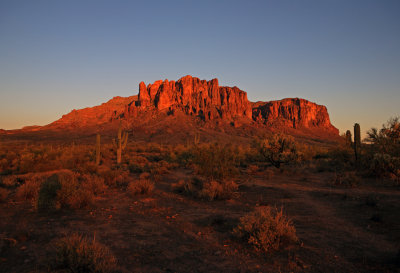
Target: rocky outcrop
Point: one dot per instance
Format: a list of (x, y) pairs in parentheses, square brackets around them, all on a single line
[(294, 113), (195, 97)]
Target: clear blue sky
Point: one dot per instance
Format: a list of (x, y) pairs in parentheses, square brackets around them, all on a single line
[(59, 55)]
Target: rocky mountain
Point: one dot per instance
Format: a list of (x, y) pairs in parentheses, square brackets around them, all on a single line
[(205, 99), (160, 107), (293, 113)]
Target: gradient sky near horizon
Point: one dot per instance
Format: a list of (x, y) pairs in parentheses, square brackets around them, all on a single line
[(56, 56)]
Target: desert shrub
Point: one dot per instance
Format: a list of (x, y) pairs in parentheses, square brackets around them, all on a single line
[(266, 229), (136, 168), (339, 158), (3, 194), (93, 183), (252, 168), (154, 157), (188, 187), (385, 165), (108, 175), (346, 179), (29, 190), (387, 139), (383, 154), (209, 190), (215, 161), (184, 157), (48, 194), (141, 186), (114, 178), (278, 149), (78, 254), (11, 181), (74, 193), (88, 167), (214, 190)]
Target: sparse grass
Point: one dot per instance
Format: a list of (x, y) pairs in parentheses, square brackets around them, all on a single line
[(78, 254), (141, 186), (266, 229), (346, 179)]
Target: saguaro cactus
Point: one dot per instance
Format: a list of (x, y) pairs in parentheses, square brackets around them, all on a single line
[(98, 153), (357, 142), (120, 142), (348, 138)]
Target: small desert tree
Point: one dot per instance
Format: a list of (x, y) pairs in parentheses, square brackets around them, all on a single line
[(278, 149)]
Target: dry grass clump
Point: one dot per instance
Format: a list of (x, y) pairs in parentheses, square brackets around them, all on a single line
[(141, 186), (79, 190), (29, 190), (266, 229), (210, 190), (75, 253), (214, 190), (114, 178), (3, 195)]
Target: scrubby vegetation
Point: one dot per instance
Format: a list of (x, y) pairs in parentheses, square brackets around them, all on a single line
[(278, 149), (199, 191), (266, 229), (75, 253), (383, 152), (141, 186), (208, 190)]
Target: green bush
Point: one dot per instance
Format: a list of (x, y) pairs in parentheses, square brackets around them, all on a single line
[(78, 254), (266, 229)]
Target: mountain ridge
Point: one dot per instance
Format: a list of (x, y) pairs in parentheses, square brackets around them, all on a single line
[(207, 103)]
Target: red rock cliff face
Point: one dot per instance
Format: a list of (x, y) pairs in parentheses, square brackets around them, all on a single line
[(199, 97), (294, 113)]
